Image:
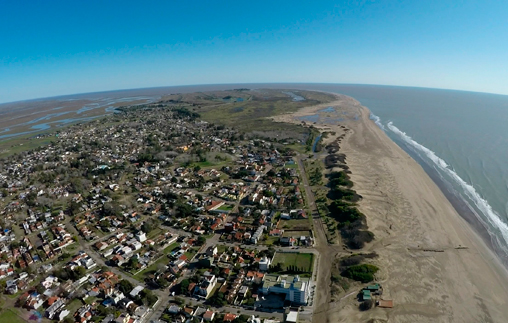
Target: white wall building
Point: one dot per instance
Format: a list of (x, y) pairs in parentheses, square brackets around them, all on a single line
[(295, 288)]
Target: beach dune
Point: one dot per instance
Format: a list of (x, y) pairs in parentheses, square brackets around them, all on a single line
[(433, 265)]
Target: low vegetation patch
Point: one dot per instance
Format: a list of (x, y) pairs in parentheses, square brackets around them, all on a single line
[(363, 273), (288, 262)]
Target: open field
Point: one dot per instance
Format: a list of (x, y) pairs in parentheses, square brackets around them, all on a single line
[(9, 316), (300, 260), (298, 224), (296, 233), (249, 110)]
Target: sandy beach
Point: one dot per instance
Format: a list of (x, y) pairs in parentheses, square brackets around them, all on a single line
[(433, 265)]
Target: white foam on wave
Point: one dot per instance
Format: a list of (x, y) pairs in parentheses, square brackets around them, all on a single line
[(490, 215), (377, 120)]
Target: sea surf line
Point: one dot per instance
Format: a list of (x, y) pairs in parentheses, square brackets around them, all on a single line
[(489, 214)]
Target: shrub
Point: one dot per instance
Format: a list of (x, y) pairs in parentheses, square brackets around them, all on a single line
[(363, 273), (366, 305), (351, 261), (339, 178)]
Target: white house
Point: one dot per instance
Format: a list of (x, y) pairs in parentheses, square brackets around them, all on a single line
[(141, 236), (206, 285), (264, 264)]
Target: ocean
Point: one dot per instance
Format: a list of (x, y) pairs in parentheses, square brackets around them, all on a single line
[(460, 139)]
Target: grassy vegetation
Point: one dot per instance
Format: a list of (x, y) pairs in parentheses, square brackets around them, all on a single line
[(9, 316), (74, 305), (226, 207), (253, 112), (189, 254), (151, 269), (221, 248), (296, 224), (270, 241), (170, 248), (300, 260), (23, 143), (296, 233)]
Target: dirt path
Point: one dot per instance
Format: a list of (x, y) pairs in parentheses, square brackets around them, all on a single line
[(327, 253)]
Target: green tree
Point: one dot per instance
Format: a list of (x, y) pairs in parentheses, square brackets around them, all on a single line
[(184, 286), (125, 286)]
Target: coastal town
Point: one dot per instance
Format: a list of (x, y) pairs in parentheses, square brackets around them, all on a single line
[(154, 215)]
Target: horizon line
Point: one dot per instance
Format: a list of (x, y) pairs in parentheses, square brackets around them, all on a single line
[(253, 83)]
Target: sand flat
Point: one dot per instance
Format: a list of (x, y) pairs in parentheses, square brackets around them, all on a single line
[(420, 238)]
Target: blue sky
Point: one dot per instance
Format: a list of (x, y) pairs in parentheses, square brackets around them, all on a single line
[(50, 48)]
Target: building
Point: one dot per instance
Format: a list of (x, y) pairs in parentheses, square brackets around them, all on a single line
[(206, 285), (136, 290), (264, 264), (209, 316), (141, 236), (229, 317), (257, 235), (211, 251), (295, 288), (292, 317)]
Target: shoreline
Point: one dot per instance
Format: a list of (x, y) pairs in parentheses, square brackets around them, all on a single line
[(410, 213), (462, 207)]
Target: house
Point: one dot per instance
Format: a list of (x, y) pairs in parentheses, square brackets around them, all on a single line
[(229, 317), (101, 245), (385, 303), (188, 311), (206, 285), (173, 309), (211, 251), (206, 261), (136, 290), (257, 235), (292, 317), (287, 241), (54, 308), (254, 277), (285, 216), (264, 264), (124, 318), (276, 232), (141, 236), (209, 316)]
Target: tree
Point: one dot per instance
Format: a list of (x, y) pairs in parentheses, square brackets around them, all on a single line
[(80, 271), (125, 286), (151, 298), (133, 263), (218, 299), (366, 305), (201, 240), (184, 286)]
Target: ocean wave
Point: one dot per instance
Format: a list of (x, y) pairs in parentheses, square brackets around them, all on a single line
[(377, 120), (481, 204)]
